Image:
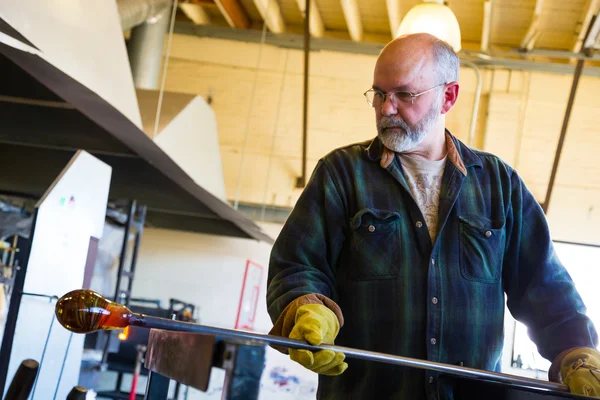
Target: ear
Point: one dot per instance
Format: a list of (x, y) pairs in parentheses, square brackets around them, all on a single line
[(450, 96)]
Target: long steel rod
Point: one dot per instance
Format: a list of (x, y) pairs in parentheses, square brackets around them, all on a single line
[(161, 323)]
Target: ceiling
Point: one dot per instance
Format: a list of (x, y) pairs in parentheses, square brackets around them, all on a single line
[(527, 25)]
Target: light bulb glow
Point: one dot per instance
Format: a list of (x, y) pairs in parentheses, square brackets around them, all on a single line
[(433, 18)]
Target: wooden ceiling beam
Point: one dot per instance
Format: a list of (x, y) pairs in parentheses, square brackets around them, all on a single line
[(533, 33), (591, 40), (486, 30), (317, 28), (393, 8), (196, 13), (234, 13), (353, 20), (593, 8), (205, 3), (271, 14)]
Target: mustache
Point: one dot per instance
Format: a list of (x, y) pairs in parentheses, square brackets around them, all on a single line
[(392, 122)]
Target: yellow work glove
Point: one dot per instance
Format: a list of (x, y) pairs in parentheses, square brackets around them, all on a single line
[(580, 371), (317, 324)]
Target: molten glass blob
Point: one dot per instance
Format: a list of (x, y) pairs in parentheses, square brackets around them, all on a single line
[(85, 311)]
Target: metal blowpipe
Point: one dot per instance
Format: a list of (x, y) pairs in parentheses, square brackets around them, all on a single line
[(85, 311)]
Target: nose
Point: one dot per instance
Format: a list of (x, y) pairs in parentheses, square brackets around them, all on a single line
[(388, 108)]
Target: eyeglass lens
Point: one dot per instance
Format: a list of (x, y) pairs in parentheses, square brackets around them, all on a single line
[(377, 98)]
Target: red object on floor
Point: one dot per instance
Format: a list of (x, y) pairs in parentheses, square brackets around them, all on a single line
[(133, 387)]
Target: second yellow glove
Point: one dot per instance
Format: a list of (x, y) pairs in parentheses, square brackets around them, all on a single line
[(317, 324), (580, 371)]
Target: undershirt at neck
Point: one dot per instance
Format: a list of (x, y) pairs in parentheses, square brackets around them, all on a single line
[(424, 178)]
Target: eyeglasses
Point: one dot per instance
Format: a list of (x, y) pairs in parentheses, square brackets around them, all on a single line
[(376, 98)]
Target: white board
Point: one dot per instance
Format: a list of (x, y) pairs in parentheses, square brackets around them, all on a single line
[(70, 213)]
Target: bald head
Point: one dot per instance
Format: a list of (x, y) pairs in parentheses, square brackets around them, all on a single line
[(416, 42), (413, 57), (427, 69)]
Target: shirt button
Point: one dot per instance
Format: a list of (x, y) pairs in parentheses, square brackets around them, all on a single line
[(371, 228), (488, 234), (434, 300), (419, 224), (431, 379), (432, 261), (433, 341)]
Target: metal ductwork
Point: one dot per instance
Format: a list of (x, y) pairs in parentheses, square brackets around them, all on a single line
[(148, 21), (136, 12)]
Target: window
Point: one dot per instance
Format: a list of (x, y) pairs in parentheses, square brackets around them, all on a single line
[(583, 264)]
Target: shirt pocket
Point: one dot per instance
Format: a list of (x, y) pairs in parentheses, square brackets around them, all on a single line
[(375, 249), (482, 244)]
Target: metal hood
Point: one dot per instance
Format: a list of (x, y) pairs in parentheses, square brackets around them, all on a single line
[(47, 115)]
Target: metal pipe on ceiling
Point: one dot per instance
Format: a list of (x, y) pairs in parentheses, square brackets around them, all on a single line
[(149, 22), (136, 12), (145, 49)]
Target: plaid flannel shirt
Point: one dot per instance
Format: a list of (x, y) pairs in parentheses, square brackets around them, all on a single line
[(357, 237)]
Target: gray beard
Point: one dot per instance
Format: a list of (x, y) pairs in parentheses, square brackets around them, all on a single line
[(408, 138)]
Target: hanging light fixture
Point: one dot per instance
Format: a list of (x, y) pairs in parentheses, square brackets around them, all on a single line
[(434, 17)]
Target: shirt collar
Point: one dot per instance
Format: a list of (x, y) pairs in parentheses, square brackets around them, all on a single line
[(458, 154)]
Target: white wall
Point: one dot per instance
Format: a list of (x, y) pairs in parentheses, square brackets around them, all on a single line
[(266, 104), (520, 116), (83, 39), (208, 271), (191, 140)]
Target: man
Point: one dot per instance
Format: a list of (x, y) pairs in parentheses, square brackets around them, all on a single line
[(407, 244)]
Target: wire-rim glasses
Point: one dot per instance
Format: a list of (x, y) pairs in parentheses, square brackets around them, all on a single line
[(376, 98)]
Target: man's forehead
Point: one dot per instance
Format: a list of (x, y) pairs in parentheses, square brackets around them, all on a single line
[(402, 70)]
